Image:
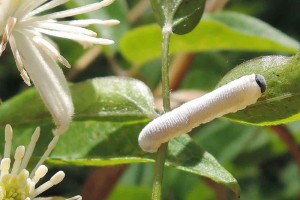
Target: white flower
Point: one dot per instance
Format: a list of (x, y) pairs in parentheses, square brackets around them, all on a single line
[(24, 27), (16, 182)]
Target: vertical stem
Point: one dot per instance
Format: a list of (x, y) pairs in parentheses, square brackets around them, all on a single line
[(162, 151), (165, 68), (159, 171)]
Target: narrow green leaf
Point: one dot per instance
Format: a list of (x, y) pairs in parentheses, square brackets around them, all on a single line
[(104, 99), (280, 102), (244, 33)]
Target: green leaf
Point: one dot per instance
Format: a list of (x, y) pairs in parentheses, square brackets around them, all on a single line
[(110, 113), (244, 33), (253, 26), (182, 15), (188, 15), (280, 102), (199, 76), (92, 143), (105, 99), (224, 139), (186, 155), (126, 105)]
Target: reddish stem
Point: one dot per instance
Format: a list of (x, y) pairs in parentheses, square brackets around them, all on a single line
[(285, 135), (220, 190), (102, 181)]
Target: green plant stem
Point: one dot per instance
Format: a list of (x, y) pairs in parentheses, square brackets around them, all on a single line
[(165, 69), (159, 171), (162, 151)]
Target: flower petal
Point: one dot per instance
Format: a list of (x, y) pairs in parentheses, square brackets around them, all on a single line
[(49, 81)]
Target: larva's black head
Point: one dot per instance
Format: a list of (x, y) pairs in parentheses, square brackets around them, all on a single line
[(261, 81)]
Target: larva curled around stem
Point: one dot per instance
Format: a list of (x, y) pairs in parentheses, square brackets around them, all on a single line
[(232, 97)]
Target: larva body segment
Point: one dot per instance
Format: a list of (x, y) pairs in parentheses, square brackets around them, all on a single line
[(229, 98)]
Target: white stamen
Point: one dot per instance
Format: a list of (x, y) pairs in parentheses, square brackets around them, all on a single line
[(26, 6), (49, 40), (50, 50), (78, 197), (11, 22), (35, 136), (66, 28), (4, 166), (51, 146), (31, 185), (19, 61), (32, 34), (87, 22), (55, 179), (40, 173), (79, 10), (76, 37), (8, 141), (23, 176), (16, 53), (47, 6), (25, 77), (20, 151), (16, 184)]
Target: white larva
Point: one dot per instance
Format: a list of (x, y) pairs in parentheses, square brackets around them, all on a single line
[(229, 98)]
